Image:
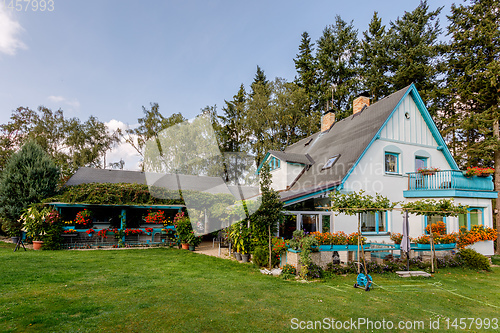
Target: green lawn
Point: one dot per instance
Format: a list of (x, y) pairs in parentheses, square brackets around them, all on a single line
[(179, 291)]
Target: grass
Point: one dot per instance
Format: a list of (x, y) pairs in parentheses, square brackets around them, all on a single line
[(162, 290)]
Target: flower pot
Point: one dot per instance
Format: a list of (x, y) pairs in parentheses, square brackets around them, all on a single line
[(37, 245), (237, 255), (15, 239), (484, 174), (185, 246), (245, 257), (191, 247)]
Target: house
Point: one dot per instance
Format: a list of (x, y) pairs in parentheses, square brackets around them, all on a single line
[(378, 149)]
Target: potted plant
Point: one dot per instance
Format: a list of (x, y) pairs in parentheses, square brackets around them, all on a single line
[(193, 241), (35, 224), (155, 219), (235, 236), (479, 172), (83, 219), (183, 229), (428, 171)]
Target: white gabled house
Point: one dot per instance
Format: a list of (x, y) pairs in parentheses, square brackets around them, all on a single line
[(377, 149)]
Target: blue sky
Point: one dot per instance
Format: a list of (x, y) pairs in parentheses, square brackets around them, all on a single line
[(108, 58)]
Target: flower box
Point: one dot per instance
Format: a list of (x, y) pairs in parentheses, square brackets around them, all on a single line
[(450, 246), (484, 175), (152, 225), (333, 247), (484, 247)]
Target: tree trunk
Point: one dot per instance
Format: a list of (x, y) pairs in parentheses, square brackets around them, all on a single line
[(270, 247), (497, 183)]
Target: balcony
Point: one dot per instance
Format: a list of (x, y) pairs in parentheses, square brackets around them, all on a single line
[(448, 183)]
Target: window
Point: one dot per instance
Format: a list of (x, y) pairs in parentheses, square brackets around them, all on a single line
[(472, 218), (330, 162), (420, 162), (391, 163), (372, 222), (310, 222), (274, 163)]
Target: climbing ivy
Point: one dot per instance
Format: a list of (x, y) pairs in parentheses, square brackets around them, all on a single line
[(429, 207), (115, 194), (357, 202)]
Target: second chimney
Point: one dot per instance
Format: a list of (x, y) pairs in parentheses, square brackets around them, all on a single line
[(327, 120), (359, 103)]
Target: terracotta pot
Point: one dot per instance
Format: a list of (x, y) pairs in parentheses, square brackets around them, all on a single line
[(185, 246), (37, 245)]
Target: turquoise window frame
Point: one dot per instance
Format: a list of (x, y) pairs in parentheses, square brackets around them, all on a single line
[(397, 163), (422, 158), (377, 231), (468, 216), (274, 163), (426, 223)]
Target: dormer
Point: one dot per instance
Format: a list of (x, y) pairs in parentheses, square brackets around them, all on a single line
[(285, 168)]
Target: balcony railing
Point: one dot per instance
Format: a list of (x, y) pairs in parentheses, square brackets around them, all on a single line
[(447, 180)]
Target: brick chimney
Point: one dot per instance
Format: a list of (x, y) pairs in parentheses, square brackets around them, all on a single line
[(327, 120), (359, 103)]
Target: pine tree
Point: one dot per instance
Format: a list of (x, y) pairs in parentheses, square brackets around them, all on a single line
[(261, 120), (473, 62), (414, 51), (305, 64), (29, 177), (338, 61), (474, 69), (233, 121), (374, 60)]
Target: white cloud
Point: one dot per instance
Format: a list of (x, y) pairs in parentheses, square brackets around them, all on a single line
[(9, 29), (123, 150), (62, 100), (114, 124)]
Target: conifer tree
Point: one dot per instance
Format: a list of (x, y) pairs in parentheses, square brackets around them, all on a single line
[(414, 51), (473, 73), (29, 177), (305, 64), (338, 61), (374, 60)]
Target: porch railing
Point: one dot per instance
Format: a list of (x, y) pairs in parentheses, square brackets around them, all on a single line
[(447, 180)]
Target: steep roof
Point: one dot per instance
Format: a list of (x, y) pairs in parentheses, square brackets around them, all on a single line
[(305, 159), (347, 138)]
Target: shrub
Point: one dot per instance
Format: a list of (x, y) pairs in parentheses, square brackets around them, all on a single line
[(260, 256), (288, 272), (29, 176), (311, 271), (473, 260), (289, 269)]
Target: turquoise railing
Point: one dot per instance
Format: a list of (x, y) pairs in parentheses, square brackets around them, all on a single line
[(448, 179)]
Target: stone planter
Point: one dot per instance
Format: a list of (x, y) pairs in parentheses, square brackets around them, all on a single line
[(484, 247)]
